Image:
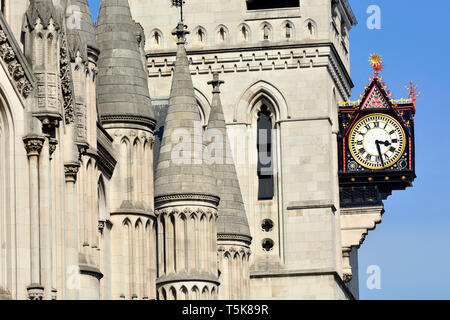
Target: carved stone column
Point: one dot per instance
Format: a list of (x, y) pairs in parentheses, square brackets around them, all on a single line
[(33, 146), (53, 143), (45, 202), (72, 265)]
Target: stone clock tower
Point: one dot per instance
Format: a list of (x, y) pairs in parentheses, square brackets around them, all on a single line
[(93, 203), (285, 65)]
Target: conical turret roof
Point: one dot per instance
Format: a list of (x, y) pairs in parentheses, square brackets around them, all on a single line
[(122, 84), (183, 173), (44, 10), (232, 219), (81, 29)]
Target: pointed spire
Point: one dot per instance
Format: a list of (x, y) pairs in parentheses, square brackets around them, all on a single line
[(80, 27), (188, 174), (232, 219), (122, 85)]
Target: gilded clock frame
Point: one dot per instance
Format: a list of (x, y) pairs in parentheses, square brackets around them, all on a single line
[(350, 143)]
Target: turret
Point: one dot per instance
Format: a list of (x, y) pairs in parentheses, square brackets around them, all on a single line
[(41, 39), (123, 95), (233, 232), (42, 46), (186, 196), (83, 56), (126, 112)]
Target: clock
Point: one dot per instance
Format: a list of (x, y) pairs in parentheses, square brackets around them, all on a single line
[(377, 141)]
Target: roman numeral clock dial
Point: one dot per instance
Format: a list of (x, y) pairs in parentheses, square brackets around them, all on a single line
[(377, 141)]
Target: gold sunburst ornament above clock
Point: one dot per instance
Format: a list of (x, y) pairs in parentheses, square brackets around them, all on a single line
[(377, 141)]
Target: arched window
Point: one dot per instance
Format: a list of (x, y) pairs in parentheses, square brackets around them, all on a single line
[(156, 37), (266, 32), (288, 31), (184, 293), (222, 34), (173, 294), (200, 35), (265, 154), (244, 33)]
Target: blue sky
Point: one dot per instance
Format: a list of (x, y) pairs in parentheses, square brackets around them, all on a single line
[(412, 244)]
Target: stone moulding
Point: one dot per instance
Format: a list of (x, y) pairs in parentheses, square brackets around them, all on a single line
[(185, 276), (234, 237), (164, 199), (14, 61), (129, 118), (301, 55), (306, 205), (91, 270), (146, 213), (185, 211), (357, 222)]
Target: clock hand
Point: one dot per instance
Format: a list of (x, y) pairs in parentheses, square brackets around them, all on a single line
[(379, 150)]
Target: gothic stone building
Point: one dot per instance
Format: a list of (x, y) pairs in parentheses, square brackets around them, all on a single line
[(93, 204)]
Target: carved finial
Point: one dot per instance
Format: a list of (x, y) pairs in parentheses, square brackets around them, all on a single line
[(413, 95), (216, 82), (377, 64), (181, 32)]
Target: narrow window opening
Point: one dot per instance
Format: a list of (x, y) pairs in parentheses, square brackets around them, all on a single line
[(266, 32), (244, 33), (201, 35), (157, 38), (310, 29), (288, 31), (222, 34), (265, 158)]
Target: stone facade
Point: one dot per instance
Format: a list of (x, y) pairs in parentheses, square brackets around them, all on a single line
[(93, 205)]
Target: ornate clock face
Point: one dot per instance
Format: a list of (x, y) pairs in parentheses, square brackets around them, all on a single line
[(377, 141)]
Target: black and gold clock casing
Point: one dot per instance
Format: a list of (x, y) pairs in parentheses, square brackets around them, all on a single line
[(376, 146)]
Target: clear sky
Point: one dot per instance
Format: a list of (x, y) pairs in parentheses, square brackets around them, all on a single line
[(412, 244)]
